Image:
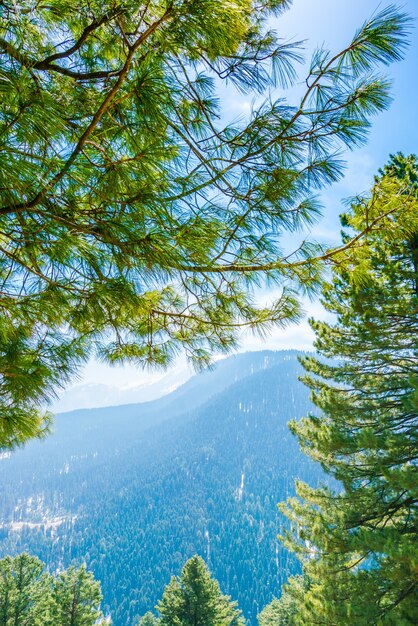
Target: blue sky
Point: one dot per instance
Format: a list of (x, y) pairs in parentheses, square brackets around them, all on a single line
[(331, 23)]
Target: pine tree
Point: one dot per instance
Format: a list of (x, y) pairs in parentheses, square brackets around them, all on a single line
[(76, 599), (133, 222), (284, 611), (148, 619), (25, 591), (195, 599), (357, 537), (30, 596)]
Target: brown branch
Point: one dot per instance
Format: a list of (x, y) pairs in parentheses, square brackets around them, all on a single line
[(279, 264), (48, 64), (83, 37), (31, 64), (94, 122)]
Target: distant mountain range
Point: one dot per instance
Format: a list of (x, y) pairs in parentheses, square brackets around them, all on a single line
[(137, 489), (92, 395)]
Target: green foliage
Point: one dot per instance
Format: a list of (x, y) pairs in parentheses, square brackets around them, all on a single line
[(29, 596), (283, 611), (25, 590), (149, 619), (133, 223), (195, 599), (358, 541), (76, 598)]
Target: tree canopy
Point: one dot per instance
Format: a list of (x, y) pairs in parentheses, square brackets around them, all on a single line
[(148, 619), (30, 596), (134, 220), (76, 598), (283, 611), (357, 537), (195, 599), (24, 591)]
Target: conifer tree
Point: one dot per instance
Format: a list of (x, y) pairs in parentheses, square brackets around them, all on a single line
[(283, 611), (76, 599), (24, 591), (30, 596), (148, 619), (194, 599), (133, 221), (357, 537)]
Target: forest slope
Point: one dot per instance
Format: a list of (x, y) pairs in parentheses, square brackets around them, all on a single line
[(136, 490)]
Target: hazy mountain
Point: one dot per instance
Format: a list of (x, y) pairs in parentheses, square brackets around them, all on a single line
[(137, 489), (93, 395)]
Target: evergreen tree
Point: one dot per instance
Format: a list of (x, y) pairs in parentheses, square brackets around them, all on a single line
[(29, 596), (284, 611), (76, 598), (195, 599), (133, 223), (148, 619), (24, 591), (357, 537)]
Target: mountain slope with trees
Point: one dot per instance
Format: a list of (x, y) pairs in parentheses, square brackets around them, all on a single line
[(137, 507)]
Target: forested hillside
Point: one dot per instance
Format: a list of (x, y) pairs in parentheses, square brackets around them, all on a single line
[(136, 490)]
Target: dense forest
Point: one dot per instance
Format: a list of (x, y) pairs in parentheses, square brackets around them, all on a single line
[(136, 499)]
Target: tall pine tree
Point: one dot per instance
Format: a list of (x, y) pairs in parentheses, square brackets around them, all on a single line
[(194, 599), (25, 591), (357, 537), (30, 596), (76, 599)]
